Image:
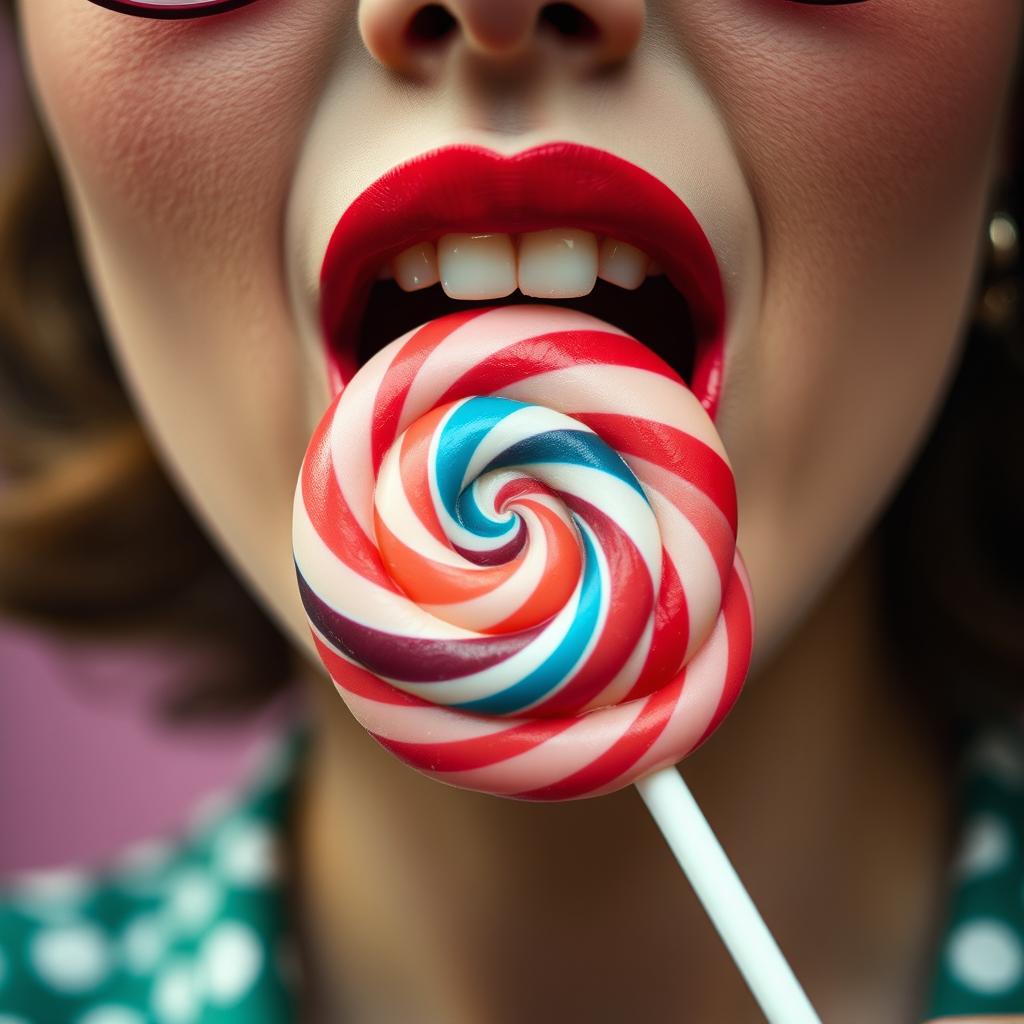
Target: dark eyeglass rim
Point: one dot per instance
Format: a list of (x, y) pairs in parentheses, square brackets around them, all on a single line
[(152, 11), (141, 9)]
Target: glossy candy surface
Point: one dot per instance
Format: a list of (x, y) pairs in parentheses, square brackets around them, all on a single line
[(514, 533)]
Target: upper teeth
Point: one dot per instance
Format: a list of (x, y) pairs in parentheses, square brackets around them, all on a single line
[(558, 263)]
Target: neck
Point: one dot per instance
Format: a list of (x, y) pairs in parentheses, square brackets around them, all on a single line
[(830, 796)]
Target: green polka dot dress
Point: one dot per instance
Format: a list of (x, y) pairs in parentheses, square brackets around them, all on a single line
[(980, 966), (192, 933), (196, 933)]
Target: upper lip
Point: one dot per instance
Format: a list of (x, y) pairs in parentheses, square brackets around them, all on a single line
[(468, 188)]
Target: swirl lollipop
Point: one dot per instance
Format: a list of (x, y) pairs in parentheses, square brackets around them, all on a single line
[(518, 582), (515, 540)]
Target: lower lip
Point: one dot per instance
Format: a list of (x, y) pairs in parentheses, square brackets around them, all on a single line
[(559, 183)]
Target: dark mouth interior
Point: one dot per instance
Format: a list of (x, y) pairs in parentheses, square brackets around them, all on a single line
[(655, 313)]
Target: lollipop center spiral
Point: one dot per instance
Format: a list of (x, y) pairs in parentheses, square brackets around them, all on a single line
[(492, 514)]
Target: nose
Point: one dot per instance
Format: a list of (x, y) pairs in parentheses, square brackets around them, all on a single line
[(404, 35)]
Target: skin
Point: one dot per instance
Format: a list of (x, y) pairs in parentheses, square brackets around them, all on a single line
[(208, 161)]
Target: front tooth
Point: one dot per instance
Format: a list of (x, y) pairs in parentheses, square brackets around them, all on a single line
[(560, 263), (416, 267), (622, 264), (477, 266)]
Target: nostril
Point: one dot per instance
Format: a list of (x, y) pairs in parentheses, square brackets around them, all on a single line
[(430, 24), (568, 21), (433, 22)]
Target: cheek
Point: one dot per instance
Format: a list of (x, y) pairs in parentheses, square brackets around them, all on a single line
[(850, 123), (177, 141), (867, 138), (177, 125)]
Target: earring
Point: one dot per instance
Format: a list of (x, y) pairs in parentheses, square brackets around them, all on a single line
[(1000, 310)]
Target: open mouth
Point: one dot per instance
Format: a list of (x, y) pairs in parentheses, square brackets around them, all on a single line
[(654, 312), (472, 195)]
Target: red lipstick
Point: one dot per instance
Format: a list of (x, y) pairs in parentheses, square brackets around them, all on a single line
[(464, 188)]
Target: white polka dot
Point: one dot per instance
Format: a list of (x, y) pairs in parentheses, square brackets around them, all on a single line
[(55, 895), (986, 956), (986, 847), (144, 856), (194, 898), (141, 866), (143, 943), (175, 994), (231, 959), (60, 885), (6, 1018), (247, 853), (112, 1015), (72, 958)]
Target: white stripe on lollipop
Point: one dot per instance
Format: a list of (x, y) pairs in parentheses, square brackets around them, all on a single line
[(556, 758), (604, 388), (695, 569), (350, 443), (478, 339)]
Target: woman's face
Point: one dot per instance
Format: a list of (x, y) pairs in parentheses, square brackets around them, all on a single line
[(838, 159)]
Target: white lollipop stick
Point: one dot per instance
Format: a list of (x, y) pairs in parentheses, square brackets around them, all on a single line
[(718, 887)]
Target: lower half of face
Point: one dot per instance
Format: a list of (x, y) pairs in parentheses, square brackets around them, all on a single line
[(839, 160)]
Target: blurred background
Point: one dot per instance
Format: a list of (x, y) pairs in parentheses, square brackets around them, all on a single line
[(86, 766)]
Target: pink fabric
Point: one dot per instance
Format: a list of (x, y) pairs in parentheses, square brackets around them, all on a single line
[(85, 765)]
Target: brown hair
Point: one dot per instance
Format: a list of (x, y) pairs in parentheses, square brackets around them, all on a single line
[(952, 543), (93, 537)]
